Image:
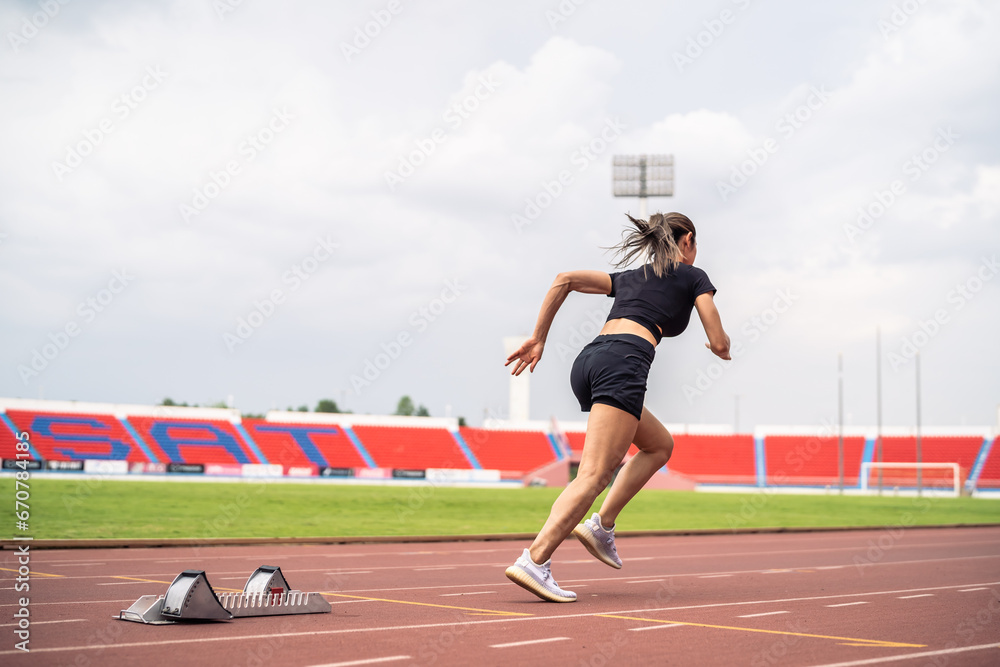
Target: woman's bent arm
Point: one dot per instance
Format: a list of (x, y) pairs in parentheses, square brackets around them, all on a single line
[(718, 340), (588, 282)]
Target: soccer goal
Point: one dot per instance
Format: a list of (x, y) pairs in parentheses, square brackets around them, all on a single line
[(933, 478)]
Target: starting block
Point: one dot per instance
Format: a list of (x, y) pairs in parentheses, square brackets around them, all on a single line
[(190, 598)]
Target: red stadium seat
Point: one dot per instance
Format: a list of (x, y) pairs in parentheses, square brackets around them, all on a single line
[(74, 436), (287, 444), (411, 448), (989, 476), (715, 459), (177, 440), (812, 460), (521, 451)]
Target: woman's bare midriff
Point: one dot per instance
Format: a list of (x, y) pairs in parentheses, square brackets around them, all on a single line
[(624, 326)]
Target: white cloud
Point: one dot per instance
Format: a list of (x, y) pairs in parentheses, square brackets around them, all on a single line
[(532, 101)]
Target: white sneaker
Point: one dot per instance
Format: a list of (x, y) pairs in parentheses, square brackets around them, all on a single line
[(538, 579), (598, 541)]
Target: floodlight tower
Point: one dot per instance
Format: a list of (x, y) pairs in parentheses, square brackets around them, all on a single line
[(643, 176)]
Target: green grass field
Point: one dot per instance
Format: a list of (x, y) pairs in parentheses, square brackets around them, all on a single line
[(87, 509)]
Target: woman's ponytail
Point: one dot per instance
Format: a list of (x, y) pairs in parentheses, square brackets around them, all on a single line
[(655, 241)]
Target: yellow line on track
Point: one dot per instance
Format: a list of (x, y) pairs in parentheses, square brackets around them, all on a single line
[(487, 612), (854, 641), (32, 573), (158, 581), (151, 581)]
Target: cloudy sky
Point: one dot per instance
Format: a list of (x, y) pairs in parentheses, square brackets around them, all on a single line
[(282, 202)]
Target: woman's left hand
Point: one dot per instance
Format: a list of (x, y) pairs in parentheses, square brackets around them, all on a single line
[(527, 356)]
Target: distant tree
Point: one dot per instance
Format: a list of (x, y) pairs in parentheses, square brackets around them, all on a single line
[(461, 421), (327, 405), (251, 415), (303, 408), (219, 404), (422, 412), (168, 402), (405, 407)]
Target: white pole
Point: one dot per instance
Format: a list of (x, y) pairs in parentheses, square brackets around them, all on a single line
[(840, 420), (878, 402), (920, 458)]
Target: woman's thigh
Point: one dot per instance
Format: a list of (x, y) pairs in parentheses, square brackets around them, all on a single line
[(610, 431)]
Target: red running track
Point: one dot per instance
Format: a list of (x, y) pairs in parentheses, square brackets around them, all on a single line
[(914, 597)]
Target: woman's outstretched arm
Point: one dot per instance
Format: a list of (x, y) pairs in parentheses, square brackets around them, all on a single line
[(718, 340), (588, 282)]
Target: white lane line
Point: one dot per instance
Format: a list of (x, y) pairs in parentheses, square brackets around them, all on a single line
[(450, 595), (424, 626), (911, 656), (370, 661), (431, 569), (656, 627), (969, 590), (714, 576), (173, 573), (846, 604), (334, 574), (645, 581), (922, 595), (66, 620), (680, 556), (829, 567), (531, 641), (766, 613), (75, 564), (350, 601)]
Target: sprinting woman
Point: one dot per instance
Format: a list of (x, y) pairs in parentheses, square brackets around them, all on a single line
[(609, 380)]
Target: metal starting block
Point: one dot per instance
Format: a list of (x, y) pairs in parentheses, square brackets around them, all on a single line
[(190, 597)]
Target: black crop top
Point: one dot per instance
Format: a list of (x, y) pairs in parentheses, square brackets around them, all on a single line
[(658, 303)]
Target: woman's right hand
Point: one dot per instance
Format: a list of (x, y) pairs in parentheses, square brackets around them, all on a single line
[(526, 356)]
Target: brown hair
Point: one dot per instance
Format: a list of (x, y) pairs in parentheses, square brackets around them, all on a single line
[(654, 240)]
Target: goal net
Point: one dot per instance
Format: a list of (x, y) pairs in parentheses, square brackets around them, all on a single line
[(933, 478)]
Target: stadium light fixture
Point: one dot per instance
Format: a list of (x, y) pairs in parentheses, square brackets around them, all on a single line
[(642, 176)]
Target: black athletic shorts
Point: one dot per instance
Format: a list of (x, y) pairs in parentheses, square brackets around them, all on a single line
[(612, 370)]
